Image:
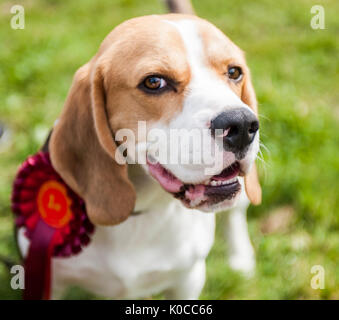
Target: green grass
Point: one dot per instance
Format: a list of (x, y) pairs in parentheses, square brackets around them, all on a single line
[(296, 75)]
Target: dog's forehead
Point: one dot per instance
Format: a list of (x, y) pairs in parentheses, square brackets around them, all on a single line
[(199, 34), (168, 37), (143, 34)]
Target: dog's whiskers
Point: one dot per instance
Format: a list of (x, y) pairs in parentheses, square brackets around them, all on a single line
[(262, 116)]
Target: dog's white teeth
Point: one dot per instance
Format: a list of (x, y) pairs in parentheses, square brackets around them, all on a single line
[(215, 183), (222, 183), (230, 181)]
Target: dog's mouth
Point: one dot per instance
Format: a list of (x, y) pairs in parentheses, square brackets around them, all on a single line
[(213, 191)]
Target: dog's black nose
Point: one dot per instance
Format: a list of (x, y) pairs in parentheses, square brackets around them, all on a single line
[(239, 128)]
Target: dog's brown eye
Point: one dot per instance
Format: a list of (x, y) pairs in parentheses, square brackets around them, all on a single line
[(154, 83), (234, 73)]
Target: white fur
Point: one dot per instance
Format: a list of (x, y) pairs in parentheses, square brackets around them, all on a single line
[(163, 249)]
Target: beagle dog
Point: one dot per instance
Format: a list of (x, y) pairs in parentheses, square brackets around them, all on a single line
[(155, 221)]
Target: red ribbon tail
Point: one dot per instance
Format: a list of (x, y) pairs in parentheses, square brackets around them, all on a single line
[(38, 262)]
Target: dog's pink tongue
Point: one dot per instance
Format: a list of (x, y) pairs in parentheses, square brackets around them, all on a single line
[(169, 182), (195, 192)]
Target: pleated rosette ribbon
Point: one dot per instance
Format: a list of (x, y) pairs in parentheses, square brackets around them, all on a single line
[(54, 219)]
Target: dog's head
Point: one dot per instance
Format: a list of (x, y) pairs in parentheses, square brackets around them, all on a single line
[(174, 72)]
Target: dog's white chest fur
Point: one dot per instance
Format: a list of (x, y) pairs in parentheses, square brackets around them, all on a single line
[(146, 254)]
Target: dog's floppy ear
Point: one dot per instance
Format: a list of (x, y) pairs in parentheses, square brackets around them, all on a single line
[(82, 150), (252, 185)]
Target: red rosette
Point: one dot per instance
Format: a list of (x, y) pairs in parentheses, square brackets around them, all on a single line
[(54, 218), (33, 174)]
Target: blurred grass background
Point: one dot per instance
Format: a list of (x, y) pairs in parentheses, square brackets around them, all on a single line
[(296, 75)]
